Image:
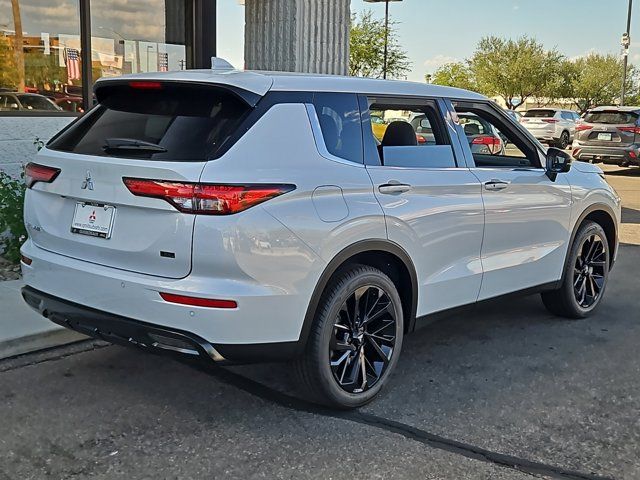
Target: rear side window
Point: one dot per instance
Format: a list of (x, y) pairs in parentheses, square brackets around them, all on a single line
[(160, 122), (611, 117), (540, 113), (339, 117)]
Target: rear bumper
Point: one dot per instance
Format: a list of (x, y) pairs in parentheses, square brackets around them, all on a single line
[(120, 330), (613, 155), (266, 323)]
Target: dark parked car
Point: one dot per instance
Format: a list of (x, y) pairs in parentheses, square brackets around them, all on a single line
[(609, 135), (13, 101)]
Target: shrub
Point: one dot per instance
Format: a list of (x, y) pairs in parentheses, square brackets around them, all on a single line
[(12, 230)]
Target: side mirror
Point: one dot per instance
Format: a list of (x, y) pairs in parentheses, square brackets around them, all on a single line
[(558, 161)]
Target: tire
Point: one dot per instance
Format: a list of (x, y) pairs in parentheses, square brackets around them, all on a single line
[(563, 142), (585, 276), (340, 346)]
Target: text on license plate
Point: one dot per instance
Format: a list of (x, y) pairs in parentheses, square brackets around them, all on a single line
[(604, 136), (93, 219)]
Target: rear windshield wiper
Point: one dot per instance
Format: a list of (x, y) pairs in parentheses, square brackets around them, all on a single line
[(132, 144)]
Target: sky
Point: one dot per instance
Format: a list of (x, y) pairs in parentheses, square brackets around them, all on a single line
[(435, 32)]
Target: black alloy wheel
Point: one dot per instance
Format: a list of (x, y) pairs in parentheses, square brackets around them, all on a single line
[(363, 339), (355, 339), (585, 274), (589, 271)]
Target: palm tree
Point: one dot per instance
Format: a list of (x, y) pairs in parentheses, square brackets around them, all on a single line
[(19, 47)]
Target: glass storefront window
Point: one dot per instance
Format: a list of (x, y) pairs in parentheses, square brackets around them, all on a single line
[(40, 55), (146, 36)]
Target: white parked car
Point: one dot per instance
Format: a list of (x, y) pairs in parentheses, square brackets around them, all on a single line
[(242, 216), (553, 126)]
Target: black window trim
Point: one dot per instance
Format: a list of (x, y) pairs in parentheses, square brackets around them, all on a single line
[(494, 109), (441, 110)]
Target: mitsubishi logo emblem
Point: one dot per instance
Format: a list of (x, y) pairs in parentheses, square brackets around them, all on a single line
[(87, 182)]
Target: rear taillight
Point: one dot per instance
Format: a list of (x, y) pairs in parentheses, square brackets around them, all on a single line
[(494, 143), (34, 172), (421, 140), (550, 120), (204, 198), (198, 301), (582, 128), (635, 130), (524, 120)]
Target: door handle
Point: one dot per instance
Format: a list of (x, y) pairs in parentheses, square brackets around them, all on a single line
[(394, 187), (495, 185)]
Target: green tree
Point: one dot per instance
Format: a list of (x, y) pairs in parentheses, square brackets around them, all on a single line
[(366, 49), (8, 71), (514, 70), (596, 80), (457, 74)]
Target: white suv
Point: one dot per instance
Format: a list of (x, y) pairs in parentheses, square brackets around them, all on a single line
[(242, 216), (552, 126)]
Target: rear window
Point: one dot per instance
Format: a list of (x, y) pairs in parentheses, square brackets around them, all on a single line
[(170, 123), (540, 113), (611, 117)]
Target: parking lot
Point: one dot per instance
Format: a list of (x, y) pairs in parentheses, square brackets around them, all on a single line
[(505, 392)]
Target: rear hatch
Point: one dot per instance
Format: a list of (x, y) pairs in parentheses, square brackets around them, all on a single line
[(139, 129), (609, 128), (539, 120)]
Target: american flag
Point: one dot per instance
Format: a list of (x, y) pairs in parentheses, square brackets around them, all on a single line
[(73, 63), (163, 62)]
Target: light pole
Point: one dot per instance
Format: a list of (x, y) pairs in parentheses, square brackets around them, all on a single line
[(386, 32), (626, 42)]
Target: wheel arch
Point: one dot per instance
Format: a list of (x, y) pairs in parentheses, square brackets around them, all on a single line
[(385, 255), (603, 215)]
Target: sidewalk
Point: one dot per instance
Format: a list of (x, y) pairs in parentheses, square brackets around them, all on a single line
[(23, 330)]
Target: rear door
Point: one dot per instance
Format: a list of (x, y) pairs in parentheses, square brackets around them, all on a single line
[(527, 216), (144, 130), (431, 201)]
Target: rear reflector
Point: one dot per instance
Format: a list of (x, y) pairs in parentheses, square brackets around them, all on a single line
[(34, 172), (198, 302), (25, 260), (204, 198), (139, 85)]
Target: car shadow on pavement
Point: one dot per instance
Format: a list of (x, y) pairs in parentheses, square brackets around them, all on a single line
[(625, 172), (630, 215)]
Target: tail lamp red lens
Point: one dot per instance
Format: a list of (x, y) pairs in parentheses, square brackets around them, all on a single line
[(205, 198), (34, 173), (550, 120), (26, 260), (421, 140), (493, 143), (582, 128), (198, 301), (635, 130)]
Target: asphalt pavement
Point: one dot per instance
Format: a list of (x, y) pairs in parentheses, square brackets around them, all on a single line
[(506, 391)]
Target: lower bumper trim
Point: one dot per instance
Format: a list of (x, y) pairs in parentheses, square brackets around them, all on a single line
[(119, 330)]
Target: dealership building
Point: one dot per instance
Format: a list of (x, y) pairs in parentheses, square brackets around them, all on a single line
[(59, 48)]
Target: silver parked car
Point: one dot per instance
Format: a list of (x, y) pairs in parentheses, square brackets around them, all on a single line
[(609, 135), (244, 216), (553, 126)]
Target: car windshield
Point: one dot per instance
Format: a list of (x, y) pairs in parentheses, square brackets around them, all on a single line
[(37, 102), (612, 117), (540, 113)]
